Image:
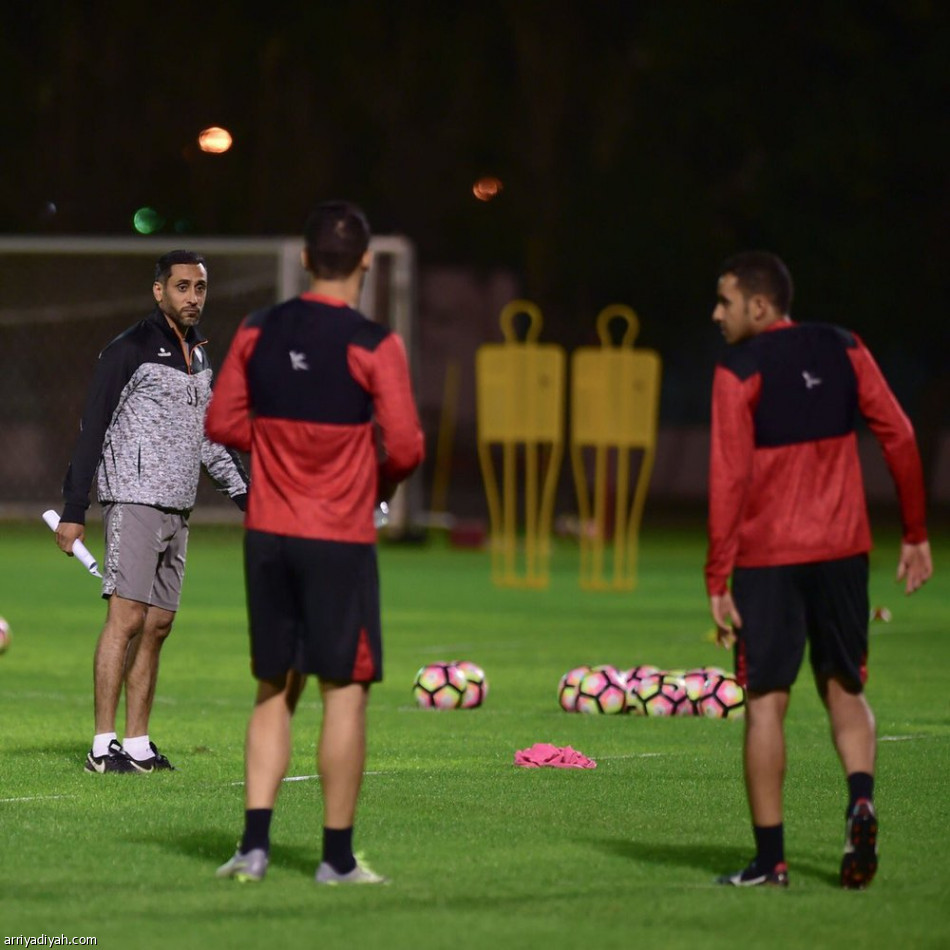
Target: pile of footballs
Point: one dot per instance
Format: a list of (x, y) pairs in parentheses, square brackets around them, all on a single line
[(650, 691), (458, 684)]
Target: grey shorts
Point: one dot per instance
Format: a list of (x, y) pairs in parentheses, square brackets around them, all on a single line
[(145, 554)]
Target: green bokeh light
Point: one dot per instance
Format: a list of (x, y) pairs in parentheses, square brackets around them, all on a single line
[(147, 221)]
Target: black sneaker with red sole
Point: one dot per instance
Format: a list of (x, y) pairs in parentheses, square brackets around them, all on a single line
[(859, 863)]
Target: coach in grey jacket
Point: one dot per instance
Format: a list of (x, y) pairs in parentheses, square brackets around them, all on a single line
[(142, 440)]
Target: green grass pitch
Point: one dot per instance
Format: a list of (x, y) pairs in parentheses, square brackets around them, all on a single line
[(480, 853)]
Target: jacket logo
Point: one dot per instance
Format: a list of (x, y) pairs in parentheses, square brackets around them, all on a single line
[(298, 360), (810, 381), (163, 352)]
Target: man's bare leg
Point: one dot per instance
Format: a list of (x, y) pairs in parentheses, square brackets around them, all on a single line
[(141, 669), (267, 748), (341, 755), (125, 621), (764, 755), (853, 728)]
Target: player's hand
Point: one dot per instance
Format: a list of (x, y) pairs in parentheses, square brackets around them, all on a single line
[(67, 533), (915, 566), (726, 617)]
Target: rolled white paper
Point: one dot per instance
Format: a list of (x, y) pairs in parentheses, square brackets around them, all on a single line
[(83, 555)]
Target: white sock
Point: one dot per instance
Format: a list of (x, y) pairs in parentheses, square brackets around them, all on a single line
[(100, 743), (138, 747)]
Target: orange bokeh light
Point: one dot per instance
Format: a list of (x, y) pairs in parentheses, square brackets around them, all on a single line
[(215, 140), (487, 187)]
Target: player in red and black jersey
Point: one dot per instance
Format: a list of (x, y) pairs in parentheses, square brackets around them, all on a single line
[(788, 524), (306, 388)]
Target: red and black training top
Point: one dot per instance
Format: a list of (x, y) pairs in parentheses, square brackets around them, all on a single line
[(303, 388), (785, 483)]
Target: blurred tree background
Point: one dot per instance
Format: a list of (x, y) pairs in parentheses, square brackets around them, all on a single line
[(638, 143)]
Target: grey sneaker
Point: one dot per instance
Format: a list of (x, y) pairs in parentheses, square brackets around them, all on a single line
[(361, 874), (245, 867)]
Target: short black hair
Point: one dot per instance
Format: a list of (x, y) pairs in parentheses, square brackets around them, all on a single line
[(337, 236), (164, 265), (761, 272)]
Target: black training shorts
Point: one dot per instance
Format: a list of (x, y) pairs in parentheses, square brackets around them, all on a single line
[(825, 603), (313, 606)]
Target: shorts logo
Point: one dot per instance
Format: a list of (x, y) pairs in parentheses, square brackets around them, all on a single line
[(298, 360), (163, 352), (810, 381)]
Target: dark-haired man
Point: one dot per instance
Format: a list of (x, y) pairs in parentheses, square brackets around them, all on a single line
[(305, 388), (142, 439), (788, 523)]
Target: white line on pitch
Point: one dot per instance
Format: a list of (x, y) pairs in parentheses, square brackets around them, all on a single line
[(34, 798), (303, 778), (639, 755), (899, 738)]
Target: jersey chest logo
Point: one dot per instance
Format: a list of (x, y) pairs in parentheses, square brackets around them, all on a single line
[(298, 360)]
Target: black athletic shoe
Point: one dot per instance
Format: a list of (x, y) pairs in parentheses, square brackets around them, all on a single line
[(115, 760), (860, 847), (156, 762), (754, 876)]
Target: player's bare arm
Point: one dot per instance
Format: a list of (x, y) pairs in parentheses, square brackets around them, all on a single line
[(915, 566)]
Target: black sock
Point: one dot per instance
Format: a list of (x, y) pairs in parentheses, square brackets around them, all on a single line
[(338, 849), (256, 829), (860, 785), (769, 846)]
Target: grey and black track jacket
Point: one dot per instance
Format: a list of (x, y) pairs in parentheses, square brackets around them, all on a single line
[(142, 430)]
